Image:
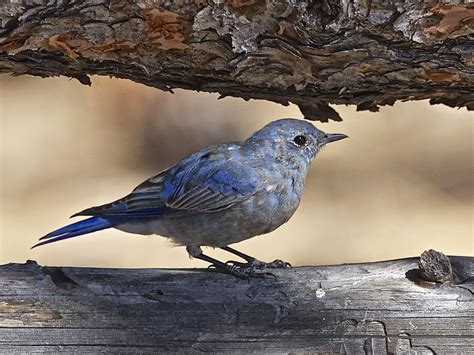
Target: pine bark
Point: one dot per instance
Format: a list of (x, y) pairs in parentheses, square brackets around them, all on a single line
[(311, 53)]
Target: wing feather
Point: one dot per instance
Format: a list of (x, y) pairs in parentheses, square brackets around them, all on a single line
[(192, 186)]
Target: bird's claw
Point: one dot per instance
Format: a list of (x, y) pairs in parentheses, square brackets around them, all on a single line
[(240, 270), (260, 265), (232, 263), (249, 269)]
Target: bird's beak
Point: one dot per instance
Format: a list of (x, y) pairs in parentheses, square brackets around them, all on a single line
[(332, 137)]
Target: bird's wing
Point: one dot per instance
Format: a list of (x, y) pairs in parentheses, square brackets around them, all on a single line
[(211, 185), (142, 203), (203, 182)]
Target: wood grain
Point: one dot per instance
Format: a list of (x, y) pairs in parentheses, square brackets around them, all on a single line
[(373, 308)]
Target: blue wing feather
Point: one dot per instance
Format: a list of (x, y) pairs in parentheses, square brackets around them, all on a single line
[(207, 181), (203, 182), (212, 185)]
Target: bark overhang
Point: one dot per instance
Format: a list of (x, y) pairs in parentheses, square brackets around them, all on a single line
[(311, 53)]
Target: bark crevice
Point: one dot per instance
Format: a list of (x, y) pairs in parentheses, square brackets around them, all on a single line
[(311, 53)]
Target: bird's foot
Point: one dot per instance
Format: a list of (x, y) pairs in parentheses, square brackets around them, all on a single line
[(255, 264), (240, 270)]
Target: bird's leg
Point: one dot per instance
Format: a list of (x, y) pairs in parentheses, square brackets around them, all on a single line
[(254, 263), (195, 251)]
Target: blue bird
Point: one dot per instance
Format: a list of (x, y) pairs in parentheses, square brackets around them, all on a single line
[(220, 195)]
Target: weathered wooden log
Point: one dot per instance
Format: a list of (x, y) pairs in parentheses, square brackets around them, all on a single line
[(374, 308), (311, 53)]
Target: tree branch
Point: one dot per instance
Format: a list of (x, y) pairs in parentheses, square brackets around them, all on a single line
[(374, 308), (311, 53)]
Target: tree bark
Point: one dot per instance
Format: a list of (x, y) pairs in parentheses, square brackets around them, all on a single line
[(375, 308), (311, 53)]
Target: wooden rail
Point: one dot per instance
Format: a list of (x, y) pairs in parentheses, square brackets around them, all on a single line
[(376, 308)]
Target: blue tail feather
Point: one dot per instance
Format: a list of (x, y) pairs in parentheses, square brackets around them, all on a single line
[(75, 229)]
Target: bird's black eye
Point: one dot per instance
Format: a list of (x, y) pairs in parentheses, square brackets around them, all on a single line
[(300, 140)]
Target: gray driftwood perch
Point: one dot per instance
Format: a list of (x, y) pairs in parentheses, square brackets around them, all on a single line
[(374, 308), (362, 52)]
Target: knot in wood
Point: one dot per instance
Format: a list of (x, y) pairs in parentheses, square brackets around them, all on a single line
[(434, 266)]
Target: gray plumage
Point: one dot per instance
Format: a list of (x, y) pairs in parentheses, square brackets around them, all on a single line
[(219, 195)]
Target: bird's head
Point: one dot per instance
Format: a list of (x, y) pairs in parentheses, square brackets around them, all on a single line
[(292, 140)]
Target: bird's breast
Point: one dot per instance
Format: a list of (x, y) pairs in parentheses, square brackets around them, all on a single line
[(281, 201)]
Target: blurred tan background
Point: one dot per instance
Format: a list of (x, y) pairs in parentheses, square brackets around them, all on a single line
[(401, 184)]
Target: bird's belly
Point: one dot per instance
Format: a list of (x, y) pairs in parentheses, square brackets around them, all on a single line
[(217, 229)]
